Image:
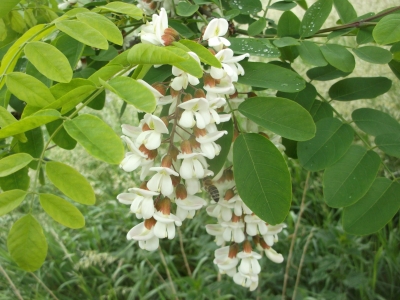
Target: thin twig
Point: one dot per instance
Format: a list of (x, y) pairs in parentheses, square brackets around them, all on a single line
[(44, 286), (13, 287), (183, 253), (301, 263), (168, 274), (155, 270), (296, 227)]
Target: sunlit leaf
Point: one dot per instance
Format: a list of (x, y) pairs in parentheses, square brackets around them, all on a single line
[(13, 163), (10, 200)]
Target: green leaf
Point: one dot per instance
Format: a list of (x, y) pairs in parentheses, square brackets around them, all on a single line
[(255, 47), (289, 25), (106, 55), (374, 55), (29, 89), (311, 54), (364, 35), (281, 116), (133, 93), (246, 7), (321, 110), (185, 9), (105, 73), (387, 30), (345, 10), (71, 48), (315, 17), (350, 177), (183, 30), (27, 243), (339, 57), (375, 122), (373, 211), (286, 41), (98, 139), (262, 177), (49, 61), (13, 163), (331, 142), (395, 67), (257, 27), (271, 76), (159, 74), (34, 146), (389, 143), (202, 52), (62, 211), (70, 182), (17, 21), (304, 97), (62, 139), (283, 5), (10, 200), (122, 8), (218, 162), (28, 123), (73, 98), (148, 54), (103, 25), (6, 6), (83, 33), (359, 88), (325, 73), (190, 65), (6, 118), (19, 180)]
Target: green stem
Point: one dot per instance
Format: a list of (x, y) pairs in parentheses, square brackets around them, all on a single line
[(266, 8)]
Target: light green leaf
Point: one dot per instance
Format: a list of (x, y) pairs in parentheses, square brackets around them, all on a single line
[(345, 10), (190, 66), (262, 177), (289, 25), (185, 9), (34, 146), (257, 27), (27, 243), (122, 8), (304, 97), (359, 88), (271, 76), (315, 17), (331, 142), (286, 41), (72, 98), (29, 17), (70, 182), (71, 48), (142, 54), (6, 6), (373, 211), (281, 116), (311, 54), (13, 163), (375, 122), (29, 89), (254, 47), (387, 31), (105, 73), (3, 30), (283, 5), (62, 211), (49, 61), (17, 21), (6, 118), (202, 52), (374, 55), (19, 180), (246, 7), (325, 73), (62, 139), (103, 25), (339, 57), (83, 33), (28, 123), (98, 139), (389, 143), (10, 200), (350, 177), (59, 90), (133, 93)]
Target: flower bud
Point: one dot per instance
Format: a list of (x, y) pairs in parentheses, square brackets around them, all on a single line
[(173, 151), (175, 180), (199, 132), (229, 194), (187, 97), (235, 218), (264, 244), (208, 80), (143, 185), (166, 161), (172, 32), (167, 39), (149, 223), (233, 250), (160, 88), (234, 95), (145, 127), (195, 144), (186, 147), (180, 191), (174, 93), (247, 247), (199, 93), (164, 206), (165, 120), (228, 174), (151, 154)]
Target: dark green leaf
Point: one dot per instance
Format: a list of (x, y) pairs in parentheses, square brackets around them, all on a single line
[(247, 7), (389, 143), (183, 30), (359, 88), (283, 5), (395, 67), (281, 116), (339, 57), (286, 41), (364, 35), (34, 146), (271, 76), (257, 27), (315, 17), (185, 9), (71, 48), (304, 97), (321, 110), (350, 177), (16, 181), (311, 54), (331, 142), (375, 122), (62, 139), (325, 73), (262, 177), (345, 10), (373, 211), (255, 47), (289, 25), (27, 243)]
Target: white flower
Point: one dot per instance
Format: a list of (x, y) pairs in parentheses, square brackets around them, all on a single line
[(183, 79), (225, 86), (197, 107), (134, 158), (162, 180), (208, 145), (147, 239), (222, 209), (141, 202), (152, 138), (249, 264), (216, 230), (188, 206), (165, 226), (273, 255), (152, 32), (215, 102), (225, 263), (230, 65), (271, 236), (233, 231), (239, 206), (193, 165), (214, 33), (248, 281), (192, 186), (255, 225)]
